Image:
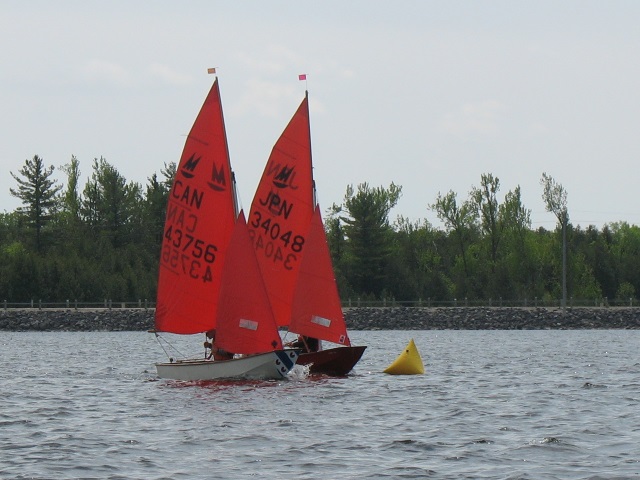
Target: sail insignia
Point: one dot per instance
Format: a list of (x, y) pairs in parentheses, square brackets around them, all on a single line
[(218, 181), (189, 166)]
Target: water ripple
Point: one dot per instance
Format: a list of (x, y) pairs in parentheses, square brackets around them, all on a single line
[(506, 405)]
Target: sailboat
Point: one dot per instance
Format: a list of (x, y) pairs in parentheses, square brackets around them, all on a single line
[(288, 235), (209, 278)]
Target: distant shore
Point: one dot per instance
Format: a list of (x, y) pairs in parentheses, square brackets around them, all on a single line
[(361, 318)]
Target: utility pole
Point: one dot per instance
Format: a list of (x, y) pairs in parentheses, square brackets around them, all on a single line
[(555, 199), (564, 261)]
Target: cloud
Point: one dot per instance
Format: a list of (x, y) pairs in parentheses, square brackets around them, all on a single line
[(106, 71), (266, 98), (474, 118), (538, 129), (170, 76), (273, 100), (347, 73), (274, 60)]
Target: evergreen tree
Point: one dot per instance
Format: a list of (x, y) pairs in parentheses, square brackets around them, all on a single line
[(90, 202), (370, 235), (169, 173), (38, 193), (155, 207), (71, 197), (110, 205)]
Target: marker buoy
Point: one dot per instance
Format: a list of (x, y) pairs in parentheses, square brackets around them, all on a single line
[(407, 363)]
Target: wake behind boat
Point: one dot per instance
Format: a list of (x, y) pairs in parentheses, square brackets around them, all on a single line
[(209, 279)]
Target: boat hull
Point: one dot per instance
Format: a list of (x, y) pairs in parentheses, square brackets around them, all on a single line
[(271, 365), (337, 361)]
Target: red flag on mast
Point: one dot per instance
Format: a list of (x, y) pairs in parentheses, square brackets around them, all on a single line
[(302, 76)]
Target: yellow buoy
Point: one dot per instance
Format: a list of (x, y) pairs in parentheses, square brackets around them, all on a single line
[(407, 363)]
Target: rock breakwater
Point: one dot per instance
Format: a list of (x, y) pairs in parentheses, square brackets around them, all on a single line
[(76, 320), (389, 318), (492, 318)]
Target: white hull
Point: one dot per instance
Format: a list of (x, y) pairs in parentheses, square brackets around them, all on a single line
[(270, 365)]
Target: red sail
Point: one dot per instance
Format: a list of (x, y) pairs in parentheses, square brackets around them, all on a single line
[(316, 310), (281, 211), (245, 322), (200, 218)]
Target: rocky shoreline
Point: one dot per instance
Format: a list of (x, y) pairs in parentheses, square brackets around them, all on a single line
[(493, 318), (388, 318)]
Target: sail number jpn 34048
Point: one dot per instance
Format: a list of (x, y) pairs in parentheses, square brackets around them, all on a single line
[(272, 241)]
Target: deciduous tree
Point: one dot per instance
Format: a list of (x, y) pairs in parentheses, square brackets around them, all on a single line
[(461, 220), (555, 200)]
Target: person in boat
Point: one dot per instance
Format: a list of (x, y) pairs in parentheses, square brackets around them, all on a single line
[(215, 352), (306, 344)]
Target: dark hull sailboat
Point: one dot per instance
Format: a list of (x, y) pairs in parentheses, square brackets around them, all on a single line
[(291, 246)]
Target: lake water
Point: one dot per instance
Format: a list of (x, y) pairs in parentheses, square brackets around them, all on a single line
[(492, 404)]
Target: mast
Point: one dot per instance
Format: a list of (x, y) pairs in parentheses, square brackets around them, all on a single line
[(234, 189), (232, 175), (314, 195)]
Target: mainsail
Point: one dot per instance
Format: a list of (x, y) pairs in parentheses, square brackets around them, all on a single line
[(199, 222), (281, 212), (291, 247)]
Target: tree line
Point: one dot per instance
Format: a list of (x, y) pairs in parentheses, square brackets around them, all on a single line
[(102, 241)]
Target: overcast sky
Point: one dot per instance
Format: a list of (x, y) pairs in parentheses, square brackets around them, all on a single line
[(426, 94)]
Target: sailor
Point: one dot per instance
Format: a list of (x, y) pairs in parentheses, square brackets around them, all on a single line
[(307, 344), (216, 352)]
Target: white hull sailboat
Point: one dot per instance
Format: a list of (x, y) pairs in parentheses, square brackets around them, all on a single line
[(210, 280), (266, 366)]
